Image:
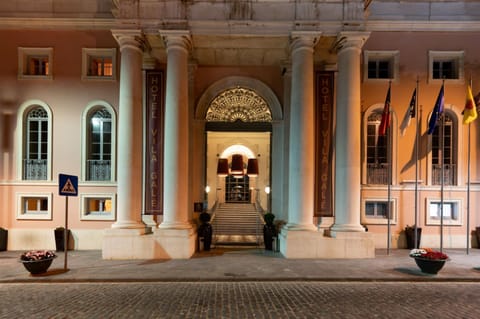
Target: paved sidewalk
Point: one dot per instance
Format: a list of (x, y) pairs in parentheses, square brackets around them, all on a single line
[(230, 264)]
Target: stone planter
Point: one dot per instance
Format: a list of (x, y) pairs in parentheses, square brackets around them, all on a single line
[(430, 266), (36, 267)]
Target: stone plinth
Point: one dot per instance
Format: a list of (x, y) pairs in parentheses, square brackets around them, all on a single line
[(314, 244), (140, 244)]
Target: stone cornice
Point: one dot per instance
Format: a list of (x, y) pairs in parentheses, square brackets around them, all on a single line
[(415, 25), (57, 24), (236, 27)]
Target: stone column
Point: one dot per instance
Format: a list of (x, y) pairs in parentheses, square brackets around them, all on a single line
[(129, 201), (348, 134), (176, 166), (302, 133)]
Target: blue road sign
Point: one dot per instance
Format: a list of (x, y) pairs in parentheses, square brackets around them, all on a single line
[(67, 185)]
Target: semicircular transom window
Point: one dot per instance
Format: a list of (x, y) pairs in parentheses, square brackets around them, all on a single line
[(238, 104)]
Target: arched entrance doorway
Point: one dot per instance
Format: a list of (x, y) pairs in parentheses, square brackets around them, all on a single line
[(238, 120)]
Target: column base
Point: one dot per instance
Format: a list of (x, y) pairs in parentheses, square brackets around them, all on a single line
[(314, 244), (135, 244), (301, 227), (128, 225), (341, 228), (174, 225)]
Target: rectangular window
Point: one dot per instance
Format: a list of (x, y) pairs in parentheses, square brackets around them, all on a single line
[(376, 211), (98, 64), (98, 207), (35, 63), (451, 212), (446, 65), (34, 206), (381, 65)]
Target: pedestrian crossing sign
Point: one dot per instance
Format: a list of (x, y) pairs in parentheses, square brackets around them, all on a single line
[(68, 185)]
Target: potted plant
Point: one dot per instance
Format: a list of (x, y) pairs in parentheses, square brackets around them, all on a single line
[(37, 261), (269, 230), (430, 261), (205, 230), (410, 236)]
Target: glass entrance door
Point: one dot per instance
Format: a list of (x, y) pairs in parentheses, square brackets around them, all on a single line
[(237, 189)]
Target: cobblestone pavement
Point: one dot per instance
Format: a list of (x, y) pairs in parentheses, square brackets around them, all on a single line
[(294, 299)]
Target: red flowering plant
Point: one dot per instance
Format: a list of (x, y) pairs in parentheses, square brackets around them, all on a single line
[(428, 253), (37, 255)]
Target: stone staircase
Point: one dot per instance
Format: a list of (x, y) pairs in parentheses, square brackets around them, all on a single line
[(237, 224)]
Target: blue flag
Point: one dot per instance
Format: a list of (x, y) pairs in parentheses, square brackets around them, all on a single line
[(437, 111)]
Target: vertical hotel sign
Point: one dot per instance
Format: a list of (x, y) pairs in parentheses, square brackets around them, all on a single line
[(323, 152), (155, 110)]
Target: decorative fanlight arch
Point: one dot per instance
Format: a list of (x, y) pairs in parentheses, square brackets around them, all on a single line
[(238, 104)]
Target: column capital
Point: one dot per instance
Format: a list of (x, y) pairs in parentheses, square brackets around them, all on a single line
[(133, 39), (350, 40), (304, 40), (177, 39)]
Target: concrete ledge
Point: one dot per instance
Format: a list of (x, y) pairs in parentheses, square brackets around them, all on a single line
[(313, 244)]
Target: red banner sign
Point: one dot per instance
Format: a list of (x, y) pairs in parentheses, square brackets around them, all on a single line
[(155, 110), (324, 96)]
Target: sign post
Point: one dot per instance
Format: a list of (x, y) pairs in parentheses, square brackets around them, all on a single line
[(67, 186)]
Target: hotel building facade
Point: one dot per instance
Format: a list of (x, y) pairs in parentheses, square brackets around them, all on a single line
[(141, 98)]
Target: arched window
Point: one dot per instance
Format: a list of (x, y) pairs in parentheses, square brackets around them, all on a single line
[(444, 151), (376, 152), (99, 145), (36, 144)]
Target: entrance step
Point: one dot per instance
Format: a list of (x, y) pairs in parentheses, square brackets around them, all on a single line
[(238, 224)]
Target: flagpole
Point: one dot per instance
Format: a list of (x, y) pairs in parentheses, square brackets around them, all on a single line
[(389, 161), (389, 165), (442, 169), (416, 167), (468, 181), (468, 190)]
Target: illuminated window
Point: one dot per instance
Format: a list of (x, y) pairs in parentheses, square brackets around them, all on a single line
[(35, 63), (98, 64), (451, 212), (99, 145), (34, 206), (98, 207)]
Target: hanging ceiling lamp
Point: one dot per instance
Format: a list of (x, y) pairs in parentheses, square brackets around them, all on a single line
[(237, 164), (222, 167), (252, 167)]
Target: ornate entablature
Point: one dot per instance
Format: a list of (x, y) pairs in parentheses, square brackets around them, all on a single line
[(238, 104)]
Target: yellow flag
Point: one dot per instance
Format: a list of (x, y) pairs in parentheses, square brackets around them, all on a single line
[(470, 111)]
